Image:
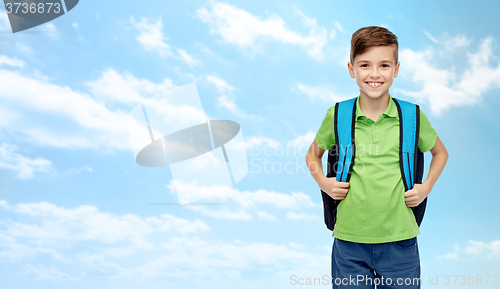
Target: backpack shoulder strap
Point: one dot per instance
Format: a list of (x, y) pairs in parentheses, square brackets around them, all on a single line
[(345, 116), (409, 122), (411, 159), (340, 156)]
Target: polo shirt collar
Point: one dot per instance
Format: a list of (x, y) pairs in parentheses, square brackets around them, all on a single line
[(391, 111)]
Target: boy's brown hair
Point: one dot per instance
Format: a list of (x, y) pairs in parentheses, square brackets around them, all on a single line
[(367, 37)]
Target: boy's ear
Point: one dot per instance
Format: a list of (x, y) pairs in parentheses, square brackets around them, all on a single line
[(396, 70), (351, 69)]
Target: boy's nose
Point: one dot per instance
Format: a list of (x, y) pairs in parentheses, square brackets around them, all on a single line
[(374, 73)]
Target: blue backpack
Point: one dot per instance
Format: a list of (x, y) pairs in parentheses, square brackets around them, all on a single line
[(341, 157)]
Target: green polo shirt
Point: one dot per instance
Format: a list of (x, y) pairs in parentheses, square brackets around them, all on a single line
[(374, 209)]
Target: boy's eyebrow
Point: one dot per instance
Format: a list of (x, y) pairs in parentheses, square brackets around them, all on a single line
[(362, 60)]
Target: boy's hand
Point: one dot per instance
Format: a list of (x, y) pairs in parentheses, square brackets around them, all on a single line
[(416, 195), (336, 190)]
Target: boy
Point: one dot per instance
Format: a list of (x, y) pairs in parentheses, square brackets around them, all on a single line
[(375, 233)]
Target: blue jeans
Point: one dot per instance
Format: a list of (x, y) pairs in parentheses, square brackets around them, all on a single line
[(384, 265)]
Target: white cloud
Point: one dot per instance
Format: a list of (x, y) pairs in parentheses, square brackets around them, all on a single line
[(25, 167), (266, 216), (262, 141), (212, 54), (151, 36), (239, 27), (186, 77), (153, 39), (320, 92), (261, 145), (40, 272), (209, 260), (338, 26), (458, 41), (51, 29), (16, 252), (453, 255), (4, 60), (300, 216), (240, 205), (301, 143), (188, 58), (36, 104), (219, 83), (442, 88), (124, 88), (52, 228), (430, 36), (332, 34), (450, 44), (25, 50), (80, 170), (228, 103), (477, 248), (474, 250), (32, 108), (83, 240)]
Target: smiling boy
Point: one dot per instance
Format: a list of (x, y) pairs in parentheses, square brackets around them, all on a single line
[(375, 233)]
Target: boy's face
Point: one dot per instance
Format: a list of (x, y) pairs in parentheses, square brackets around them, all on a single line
[(374, 71)]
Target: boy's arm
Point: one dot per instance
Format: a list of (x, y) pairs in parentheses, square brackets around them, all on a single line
[(439, 158), (336, 190), (419, 192), (314, 163)]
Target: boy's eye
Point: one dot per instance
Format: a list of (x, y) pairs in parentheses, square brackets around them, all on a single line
[(383, 65)]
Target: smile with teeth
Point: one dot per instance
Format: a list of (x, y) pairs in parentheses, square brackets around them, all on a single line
[(374, 84)]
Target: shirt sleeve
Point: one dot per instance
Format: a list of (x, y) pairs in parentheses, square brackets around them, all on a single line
[(427, 136), (325, 137)]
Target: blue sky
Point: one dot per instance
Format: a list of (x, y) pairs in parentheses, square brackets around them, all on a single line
[(76, 211)]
